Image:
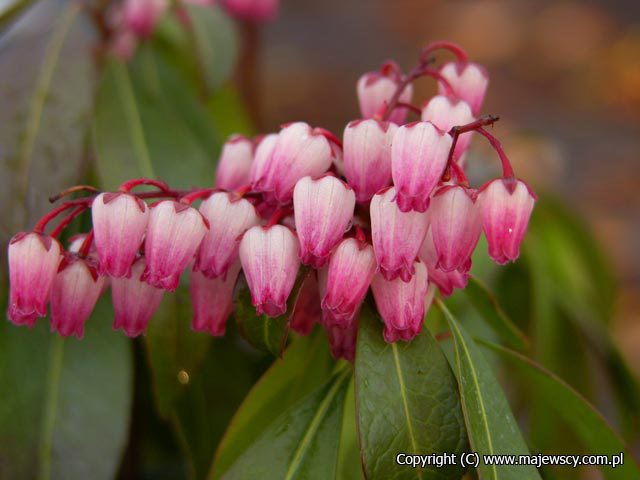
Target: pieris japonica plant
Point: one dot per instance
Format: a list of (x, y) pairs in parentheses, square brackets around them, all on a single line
[(338, 257)]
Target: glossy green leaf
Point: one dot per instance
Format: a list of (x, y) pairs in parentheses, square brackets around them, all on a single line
[(407, 402), (46, 94), (66, 403), (588, 424), (265, 333), (215, 43), (349, 462), (487, 306), (490, 424), (302, 442), (303, 368), (174, 350)]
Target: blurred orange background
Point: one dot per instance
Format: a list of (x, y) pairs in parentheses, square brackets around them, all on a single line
[(565, 78)]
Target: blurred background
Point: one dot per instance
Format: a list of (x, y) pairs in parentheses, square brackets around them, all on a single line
[(565, 79)]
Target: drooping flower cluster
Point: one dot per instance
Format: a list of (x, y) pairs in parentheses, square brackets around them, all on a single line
[(388, 209), (134, 20)]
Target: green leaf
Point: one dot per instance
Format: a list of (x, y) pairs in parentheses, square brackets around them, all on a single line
[(487, 306), (229, 113), (303, 368), (12, 9), (265, 333), (66, 408), (174, 351), (302, 442), (490, 424), (349, 463), (407, 402), (214, 42), (588, 424), (46, 96)]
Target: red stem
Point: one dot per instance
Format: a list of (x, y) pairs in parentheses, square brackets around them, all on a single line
[(86, 244), (70, 190), (460, 54), (130, 184), (67, 220), (411, 108), (507, 169), (195, 195), (430, 72), (42, 223), (460, 175), (278, 215)]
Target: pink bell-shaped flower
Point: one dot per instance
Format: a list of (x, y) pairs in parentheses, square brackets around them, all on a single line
[(401, 304), (252, 10), (212, 300), (446, 112), (397, 236), (234, 164), (506, 205), (75, 291), (342, 340), (269, 257), (228, 218), (33, 263), (298, 152), (418, 158), (134, 301), (142, 16), (119, 224), (367, 156), (469, 82), (375, 90), (174, 234), (456, 225), (323, 210), (351, 268), (445, 281), (307, 311), (262, 157)]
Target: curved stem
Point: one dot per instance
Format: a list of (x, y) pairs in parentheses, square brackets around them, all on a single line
[(67, 220), (189, 198), (507, 169), (460, 54), (410, 107), (42, 223), (86, 245), (70, 190), (130, 184), (278, 215)]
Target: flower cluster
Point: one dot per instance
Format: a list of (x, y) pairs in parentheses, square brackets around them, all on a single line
[(133, 20), (388, 208)]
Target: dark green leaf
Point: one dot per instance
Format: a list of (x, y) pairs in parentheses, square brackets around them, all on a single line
[(215, 43), (302, 442), (66, 403), (588, 424), (304, 367), (407, 402), (349, 462), (173, 349), (490, 424), (487, 306)]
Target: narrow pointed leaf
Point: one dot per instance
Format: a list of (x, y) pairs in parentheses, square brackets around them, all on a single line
[(302, 442), (587, 423), (487, 306), (490, 424), (407, 402)]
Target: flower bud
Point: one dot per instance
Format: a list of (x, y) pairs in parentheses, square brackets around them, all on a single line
[(375, 90), (349, 275), (323, 210), (456, 225), (397, 236), (119, 224), (367, 156), (174, 233), (252, 10), (75, 291), (469, 82), (234, 163), (33, 264), (228, 218), (262, 157), (418, 158), (446, 112), (142, 16), (401, 304), (445, 281), (342, 340), (506, 206), (212, 300), (134, 301), (298, 152), (307, 311), (269, 257)]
